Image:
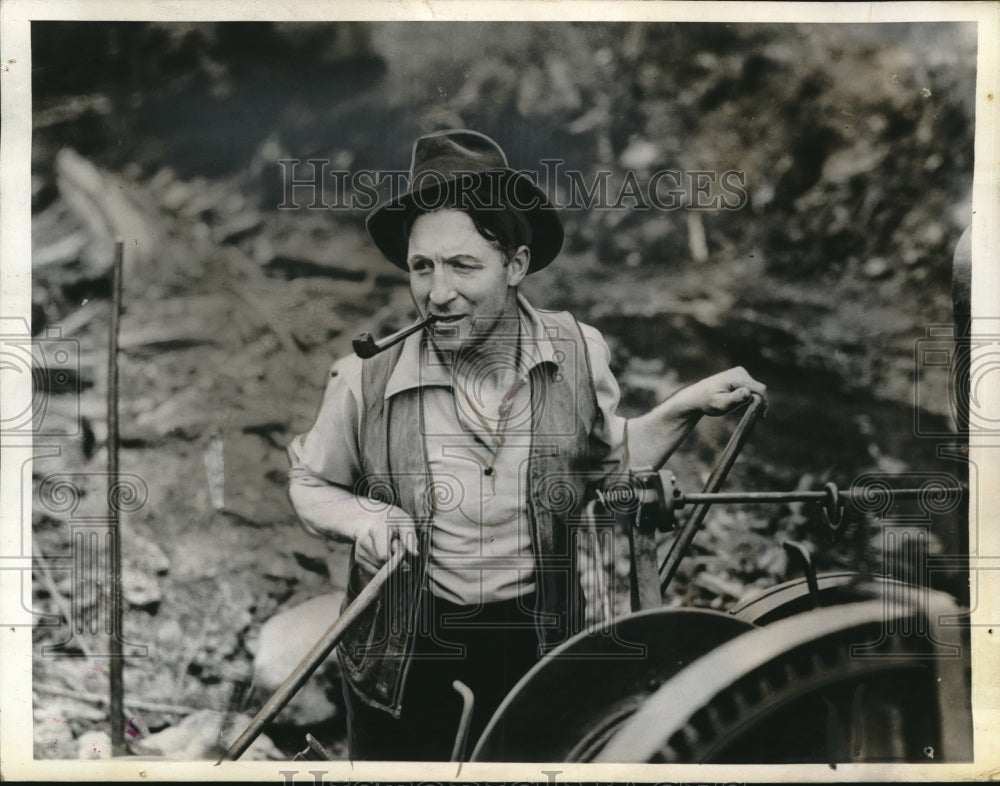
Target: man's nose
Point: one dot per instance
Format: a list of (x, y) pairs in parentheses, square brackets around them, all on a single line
[(442, 288)]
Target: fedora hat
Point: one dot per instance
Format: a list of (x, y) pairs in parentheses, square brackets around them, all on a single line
[(456, 169)]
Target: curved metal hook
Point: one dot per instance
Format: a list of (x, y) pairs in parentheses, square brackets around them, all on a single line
[(462, 733), (833, 511)]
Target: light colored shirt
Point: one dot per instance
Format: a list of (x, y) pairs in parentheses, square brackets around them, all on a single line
[(480, 541)]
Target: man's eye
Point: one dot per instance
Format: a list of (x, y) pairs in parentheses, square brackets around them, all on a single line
[(422, 266)]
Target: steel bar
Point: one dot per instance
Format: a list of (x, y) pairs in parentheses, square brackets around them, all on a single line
[(803, 496), (319, 652), (683, 540), (116, 682)]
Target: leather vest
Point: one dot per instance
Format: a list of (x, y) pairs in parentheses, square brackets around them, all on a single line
[(563, 460)]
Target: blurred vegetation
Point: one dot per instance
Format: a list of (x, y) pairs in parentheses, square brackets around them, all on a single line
[(851, 136)]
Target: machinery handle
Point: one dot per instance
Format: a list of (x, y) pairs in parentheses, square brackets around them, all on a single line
[(319, 652), (736, 442)]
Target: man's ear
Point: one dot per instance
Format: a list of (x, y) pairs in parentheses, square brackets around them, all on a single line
[(517, 267)]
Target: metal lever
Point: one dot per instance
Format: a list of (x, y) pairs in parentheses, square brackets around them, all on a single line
[(462, 733), (686, 535), (319, 652)]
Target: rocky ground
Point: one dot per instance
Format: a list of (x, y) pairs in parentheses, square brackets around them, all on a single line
[(856, 146)]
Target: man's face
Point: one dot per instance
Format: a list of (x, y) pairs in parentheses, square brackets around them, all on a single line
[(454, 270)]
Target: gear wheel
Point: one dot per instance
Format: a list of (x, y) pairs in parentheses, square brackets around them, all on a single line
[(858, 682)]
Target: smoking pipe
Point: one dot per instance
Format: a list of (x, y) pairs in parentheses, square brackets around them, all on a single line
[(365, 346)]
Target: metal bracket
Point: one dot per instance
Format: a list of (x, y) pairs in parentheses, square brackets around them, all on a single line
[(798, 552), (642, 509)]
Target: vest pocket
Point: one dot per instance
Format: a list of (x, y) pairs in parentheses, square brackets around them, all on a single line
[(356, 645)]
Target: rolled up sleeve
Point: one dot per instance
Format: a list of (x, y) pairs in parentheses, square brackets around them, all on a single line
[(611, 429), (328, 454)]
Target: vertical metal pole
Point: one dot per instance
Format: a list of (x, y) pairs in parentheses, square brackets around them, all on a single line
[(117, 687)]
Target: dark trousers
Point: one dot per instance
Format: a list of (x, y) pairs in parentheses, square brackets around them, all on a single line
[(488, 647)]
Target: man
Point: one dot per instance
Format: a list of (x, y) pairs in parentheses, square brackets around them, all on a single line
[(471, 446)]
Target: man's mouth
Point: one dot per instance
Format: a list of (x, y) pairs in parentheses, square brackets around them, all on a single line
[(446, 325)]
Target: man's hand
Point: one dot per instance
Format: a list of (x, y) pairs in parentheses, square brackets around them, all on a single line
[(722, 392), (653, 437), (376, 534), (335, 512)]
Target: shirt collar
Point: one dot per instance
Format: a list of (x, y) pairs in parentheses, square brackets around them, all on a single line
[(415, 368)]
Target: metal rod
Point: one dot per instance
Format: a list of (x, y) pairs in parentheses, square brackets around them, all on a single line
[(320, 748), (683, 540), (464, 722), (750, 496), (802, 496), (319, 652), (116, 677)]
